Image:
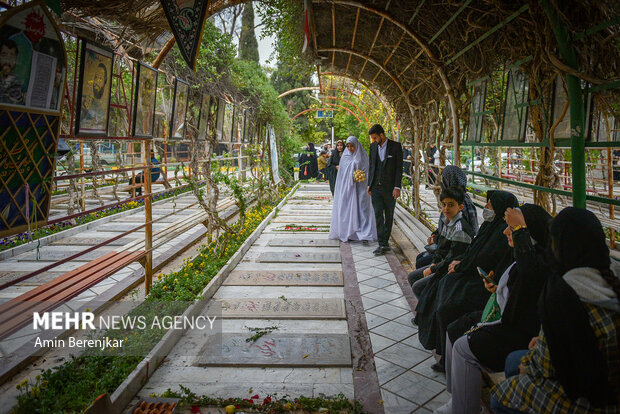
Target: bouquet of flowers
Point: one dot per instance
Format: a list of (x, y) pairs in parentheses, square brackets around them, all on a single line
[(359, 176)]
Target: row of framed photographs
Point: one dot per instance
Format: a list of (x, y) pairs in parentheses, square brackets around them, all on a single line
[(515, 122), (95, 88)]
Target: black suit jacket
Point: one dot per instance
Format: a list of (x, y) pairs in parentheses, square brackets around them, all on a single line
[(392, 165)]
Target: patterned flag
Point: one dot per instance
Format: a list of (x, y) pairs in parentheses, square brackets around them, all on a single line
[(306, 27), (186, 19)]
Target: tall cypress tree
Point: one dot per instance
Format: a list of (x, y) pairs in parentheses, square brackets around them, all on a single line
[(248, 45)]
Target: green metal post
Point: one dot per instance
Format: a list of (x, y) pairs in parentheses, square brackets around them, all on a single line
[(577, 118)]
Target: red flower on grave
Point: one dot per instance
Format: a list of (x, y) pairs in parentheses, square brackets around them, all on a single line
[(195, 409), (267, 400), (254, 397)]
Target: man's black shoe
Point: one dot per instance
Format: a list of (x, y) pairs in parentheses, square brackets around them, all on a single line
[(437, 367), (386, 248), (379, 251)]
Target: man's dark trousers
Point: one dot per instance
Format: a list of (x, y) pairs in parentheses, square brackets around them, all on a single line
[(383, 202), (383, 177)]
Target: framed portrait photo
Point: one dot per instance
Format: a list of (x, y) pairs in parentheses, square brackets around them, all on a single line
[(94, 90), (203, 118), (32, 59), (144, 101), (179, 109)]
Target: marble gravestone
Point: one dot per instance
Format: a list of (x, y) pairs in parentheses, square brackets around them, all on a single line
[(277, 349), (279, 308), (299, 242), (284, 278), (301, 257)]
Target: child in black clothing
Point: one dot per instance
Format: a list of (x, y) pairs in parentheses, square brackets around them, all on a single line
[(456, 235)]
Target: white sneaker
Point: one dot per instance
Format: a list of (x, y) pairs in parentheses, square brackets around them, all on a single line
[(444, 409)]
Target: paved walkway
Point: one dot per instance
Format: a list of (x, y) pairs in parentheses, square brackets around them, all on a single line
[(301, 283)]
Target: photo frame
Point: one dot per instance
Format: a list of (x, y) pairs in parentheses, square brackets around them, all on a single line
[(179, 109), (203, 117), (514, 123), (145, 100), (94, 90), (32, 58), (476, 115), (560, 97)]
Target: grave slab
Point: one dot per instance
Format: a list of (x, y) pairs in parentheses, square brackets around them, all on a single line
[(278, 308), (277, 349), (301, 257), (284, 278), (299, 242)]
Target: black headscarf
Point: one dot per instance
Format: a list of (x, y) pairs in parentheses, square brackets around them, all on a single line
[(578, 240), (453, 176), (489, 249), (528, 278), (537, 221), (310, 147)]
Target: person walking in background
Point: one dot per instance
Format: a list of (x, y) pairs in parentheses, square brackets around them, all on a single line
[(139, 178), (384, 181), (308, 166), (322, 163), (406, 160), (333, 165), (432, 171)]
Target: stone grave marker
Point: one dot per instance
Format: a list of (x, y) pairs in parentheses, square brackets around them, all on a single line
[(279, 308), (301, 257), (284, 278), (277, 349)]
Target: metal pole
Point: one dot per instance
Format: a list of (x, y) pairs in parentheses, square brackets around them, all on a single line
[(148, 218), (575, 98), (332, 134)]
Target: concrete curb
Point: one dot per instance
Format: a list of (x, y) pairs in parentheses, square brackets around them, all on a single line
[(125, 392)]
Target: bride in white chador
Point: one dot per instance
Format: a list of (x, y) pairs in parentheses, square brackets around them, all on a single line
[(352, 214)]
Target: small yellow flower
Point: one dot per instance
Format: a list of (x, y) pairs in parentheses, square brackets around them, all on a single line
[(164, 288)]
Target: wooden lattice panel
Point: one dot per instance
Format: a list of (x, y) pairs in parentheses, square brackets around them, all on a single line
[(28, 142)]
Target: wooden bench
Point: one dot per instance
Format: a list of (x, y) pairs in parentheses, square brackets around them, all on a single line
[(18, 311)]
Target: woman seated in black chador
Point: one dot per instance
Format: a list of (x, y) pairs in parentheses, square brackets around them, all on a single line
[(511, 318), (458, 291), (574, 365)]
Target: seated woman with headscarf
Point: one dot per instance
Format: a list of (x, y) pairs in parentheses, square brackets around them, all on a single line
[(486, 346), (452, 176), (352, 214), (308, 165), (574, 365), (459, 291)]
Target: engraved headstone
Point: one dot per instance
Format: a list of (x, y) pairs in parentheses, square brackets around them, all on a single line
[(279, 308), (301, 257), (284, 278), (299, 242), (302, 219), (277, 349), (88, 241)]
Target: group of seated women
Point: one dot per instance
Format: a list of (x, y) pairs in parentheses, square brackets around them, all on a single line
[(524, 293)]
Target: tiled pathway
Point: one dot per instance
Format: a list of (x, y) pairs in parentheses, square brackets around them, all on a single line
[(403, 365), (407, 384)]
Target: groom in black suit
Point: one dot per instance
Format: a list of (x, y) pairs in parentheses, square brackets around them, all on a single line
[(384, 180)]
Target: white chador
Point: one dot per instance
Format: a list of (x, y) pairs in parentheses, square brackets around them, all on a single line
[(352, 215)]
